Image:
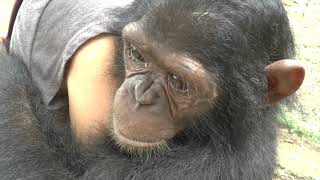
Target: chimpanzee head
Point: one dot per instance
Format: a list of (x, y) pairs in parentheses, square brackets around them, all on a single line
[(191, 63)]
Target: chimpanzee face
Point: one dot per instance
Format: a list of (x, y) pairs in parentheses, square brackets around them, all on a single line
[(162, 91)]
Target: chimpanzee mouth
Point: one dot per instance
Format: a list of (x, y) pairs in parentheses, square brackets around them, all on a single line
[(123, 140)]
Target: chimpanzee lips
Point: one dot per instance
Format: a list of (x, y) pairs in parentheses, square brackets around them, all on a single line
[(121, 138)]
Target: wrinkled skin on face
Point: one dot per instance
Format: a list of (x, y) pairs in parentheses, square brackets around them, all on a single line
[(163, 89)]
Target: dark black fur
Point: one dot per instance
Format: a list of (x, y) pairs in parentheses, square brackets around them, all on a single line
[(233, 39), (24, 152)]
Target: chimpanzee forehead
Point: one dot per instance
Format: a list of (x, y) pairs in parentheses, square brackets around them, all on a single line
[(188, 26), (165, 23), (209, 34)]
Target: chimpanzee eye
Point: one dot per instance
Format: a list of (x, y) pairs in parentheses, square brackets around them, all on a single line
[(178, 84), (134, 55)]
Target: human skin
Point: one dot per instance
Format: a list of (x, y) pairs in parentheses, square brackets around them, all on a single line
[(91, 86), (5, 11), (87, 80)]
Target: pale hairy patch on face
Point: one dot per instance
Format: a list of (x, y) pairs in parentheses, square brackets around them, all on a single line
[(136, 147)]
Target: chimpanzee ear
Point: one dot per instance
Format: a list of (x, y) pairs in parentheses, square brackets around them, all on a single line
[(284, 78)]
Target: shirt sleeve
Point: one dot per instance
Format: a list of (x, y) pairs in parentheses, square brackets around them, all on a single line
[(47, 34)]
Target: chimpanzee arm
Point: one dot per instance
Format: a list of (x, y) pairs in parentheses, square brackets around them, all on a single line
[(24, 153)]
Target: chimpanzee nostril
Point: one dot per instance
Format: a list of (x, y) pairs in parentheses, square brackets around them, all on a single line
[(146, 92), (148, 98)]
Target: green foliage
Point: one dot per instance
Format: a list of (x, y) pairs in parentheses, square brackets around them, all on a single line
[(295, 123)]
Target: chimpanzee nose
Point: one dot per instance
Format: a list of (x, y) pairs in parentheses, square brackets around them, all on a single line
[(147, 92)]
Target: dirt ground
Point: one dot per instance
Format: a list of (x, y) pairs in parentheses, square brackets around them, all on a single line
[(298, 158)]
